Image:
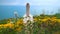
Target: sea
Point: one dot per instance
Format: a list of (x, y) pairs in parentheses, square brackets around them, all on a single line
[(8, 11)]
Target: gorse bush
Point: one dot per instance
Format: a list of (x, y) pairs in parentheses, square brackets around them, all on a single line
[(44, 25)]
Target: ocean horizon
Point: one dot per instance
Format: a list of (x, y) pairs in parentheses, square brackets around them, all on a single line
[(8, 11)]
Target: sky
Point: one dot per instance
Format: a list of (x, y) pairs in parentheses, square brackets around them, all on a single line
[(32, 2), (50, 6), (46, 4)]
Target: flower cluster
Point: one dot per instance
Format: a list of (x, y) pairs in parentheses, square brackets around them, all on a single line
[(50, 24)]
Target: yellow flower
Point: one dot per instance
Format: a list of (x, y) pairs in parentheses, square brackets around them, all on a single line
[(18, 29), (44, 20), (1, 26), (35, 19), (5, 25), (10, 25), (19, 22), (58, 20), (53, 19)]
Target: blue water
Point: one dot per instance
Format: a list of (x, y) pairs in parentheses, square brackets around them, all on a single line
[(8, 11)]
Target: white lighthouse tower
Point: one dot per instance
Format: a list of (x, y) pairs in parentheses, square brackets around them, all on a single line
[(28, 16)]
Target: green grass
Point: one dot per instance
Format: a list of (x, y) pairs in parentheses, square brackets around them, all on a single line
[(38, 27)]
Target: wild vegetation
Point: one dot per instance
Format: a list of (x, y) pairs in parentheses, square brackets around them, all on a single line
[(43, 24)]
